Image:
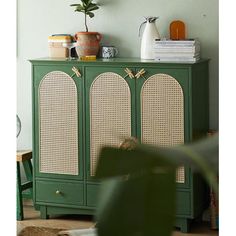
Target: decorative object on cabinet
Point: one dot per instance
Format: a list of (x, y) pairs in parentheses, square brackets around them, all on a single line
[(88, 42), (73, 117), (150, 33), (109, 51), (56, 48), (177, 50), (70, 46), (177, 30)]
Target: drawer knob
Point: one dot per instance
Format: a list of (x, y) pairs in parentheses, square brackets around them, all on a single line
[(58, 192)]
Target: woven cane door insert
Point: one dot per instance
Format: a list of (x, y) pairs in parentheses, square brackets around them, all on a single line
[(110, 113), (162, 114), (58, 124)]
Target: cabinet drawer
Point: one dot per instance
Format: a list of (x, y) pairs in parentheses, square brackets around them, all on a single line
[(183, 203), (92, 194), (59, 192)]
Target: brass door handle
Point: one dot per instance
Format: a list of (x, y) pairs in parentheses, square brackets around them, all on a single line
[(140, 73), (76, 72), (129, 73)]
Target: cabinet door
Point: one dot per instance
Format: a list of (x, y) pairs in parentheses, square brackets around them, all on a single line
[(110, 108), (58, 122), (162, 110)]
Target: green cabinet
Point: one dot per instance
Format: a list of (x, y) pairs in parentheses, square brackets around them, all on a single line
[(80, 106)]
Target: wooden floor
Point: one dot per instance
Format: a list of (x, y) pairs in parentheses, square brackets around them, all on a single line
[(32, 218)]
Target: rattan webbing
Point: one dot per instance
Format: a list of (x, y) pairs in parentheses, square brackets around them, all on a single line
[(58, 124), (110, 113), (162, 119)]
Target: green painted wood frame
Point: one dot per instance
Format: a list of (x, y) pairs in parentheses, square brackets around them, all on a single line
[(91, 74), (39, 73), (181, 75)]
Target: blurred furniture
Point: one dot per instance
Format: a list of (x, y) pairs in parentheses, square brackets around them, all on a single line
[(23, 158), (78, 107), (214, 199)]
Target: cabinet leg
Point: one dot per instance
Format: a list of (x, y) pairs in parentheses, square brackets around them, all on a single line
[(183, 224), (43, 212), (36, 207)]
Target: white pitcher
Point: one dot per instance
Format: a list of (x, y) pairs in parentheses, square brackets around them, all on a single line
[(150, 33)]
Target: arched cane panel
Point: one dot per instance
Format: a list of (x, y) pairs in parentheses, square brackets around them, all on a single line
[(110, 113), (58, 124), (162, 113)]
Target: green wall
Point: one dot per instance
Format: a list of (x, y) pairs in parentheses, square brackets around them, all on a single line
[(118, 21)]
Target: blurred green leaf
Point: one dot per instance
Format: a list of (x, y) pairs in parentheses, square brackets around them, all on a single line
[(117, 162), (114, 161), (75, 5), (137, 195), (138, 204), (86, 1), (93, 7), (91, 15)]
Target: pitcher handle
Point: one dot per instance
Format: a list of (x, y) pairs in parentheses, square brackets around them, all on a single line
[(99, 37), (116, 51), (76, 37)]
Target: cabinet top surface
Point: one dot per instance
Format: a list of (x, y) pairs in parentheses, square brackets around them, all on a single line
[(109, 61)]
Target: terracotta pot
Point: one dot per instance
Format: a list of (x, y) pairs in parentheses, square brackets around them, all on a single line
[(88, 43)]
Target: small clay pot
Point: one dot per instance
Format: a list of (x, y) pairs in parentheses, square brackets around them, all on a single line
[(87, 43)]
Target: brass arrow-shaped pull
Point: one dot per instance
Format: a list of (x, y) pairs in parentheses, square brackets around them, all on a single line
[(76, 71), (140, 73), (129, 73)]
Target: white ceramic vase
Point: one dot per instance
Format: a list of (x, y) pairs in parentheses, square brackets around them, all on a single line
[(150, 33)]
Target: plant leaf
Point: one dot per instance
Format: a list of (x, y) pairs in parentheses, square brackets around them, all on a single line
[(138, 194), (85, 1), (201, 156), (74, 5), (117, 162), (90, 14), (141, 205), (79, 8), (92, 8), (89, 2)]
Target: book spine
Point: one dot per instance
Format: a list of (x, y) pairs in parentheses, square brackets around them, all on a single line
[(177, 51), (176, 47), (167, 55), (176, 59), (177, 42)]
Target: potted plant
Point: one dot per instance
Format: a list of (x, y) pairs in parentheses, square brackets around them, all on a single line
[(87, 42)]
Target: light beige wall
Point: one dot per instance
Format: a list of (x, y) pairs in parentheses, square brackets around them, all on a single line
[(118, 21)]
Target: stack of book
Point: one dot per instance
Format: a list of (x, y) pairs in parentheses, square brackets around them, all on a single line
[(177, 50)]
